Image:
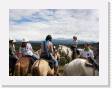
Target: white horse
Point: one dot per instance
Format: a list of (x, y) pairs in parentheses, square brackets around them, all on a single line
[(77, 67), (66, 51)]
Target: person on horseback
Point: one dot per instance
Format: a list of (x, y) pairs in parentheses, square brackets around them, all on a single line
[(48, 52), (26, 50), (12, 56), (12, 51), (88, 54), (74, 47)]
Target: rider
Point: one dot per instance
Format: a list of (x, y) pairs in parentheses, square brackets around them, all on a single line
[(48, 52), (12, 51), (88, 54), (74, 47), (26, 49)]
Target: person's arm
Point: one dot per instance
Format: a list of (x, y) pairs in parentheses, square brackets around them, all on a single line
[(50, 47), (13, 50), (92, 54)]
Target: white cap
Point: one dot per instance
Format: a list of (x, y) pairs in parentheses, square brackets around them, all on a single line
[(25, 40), (10, 38)]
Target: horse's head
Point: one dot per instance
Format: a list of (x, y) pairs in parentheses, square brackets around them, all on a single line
[(56, 54)]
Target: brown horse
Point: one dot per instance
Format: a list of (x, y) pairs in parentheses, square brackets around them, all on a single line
[(41, 67), (23, 66)]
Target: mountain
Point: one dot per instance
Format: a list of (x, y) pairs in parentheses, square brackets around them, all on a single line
[(62, 41)]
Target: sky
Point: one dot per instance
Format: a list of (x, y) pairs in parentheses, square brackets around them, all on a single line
[(36, 24)]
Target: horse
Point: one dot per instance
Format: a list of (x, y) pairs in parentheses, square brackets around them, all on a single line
[(77, 67), (23, 66), (65, 51), (12, 62), (42, 68)]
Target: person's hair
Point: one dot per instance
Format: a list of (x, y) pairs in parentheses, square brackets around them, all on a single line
[(49, 37), (23, 44), (74, 37)]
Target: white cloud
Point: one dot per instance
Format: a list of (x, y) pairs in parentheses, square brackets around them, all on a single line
[(59, 23)]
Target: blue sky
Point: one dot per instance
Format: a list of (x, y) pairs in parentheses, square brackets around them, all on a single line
[(35, 24)]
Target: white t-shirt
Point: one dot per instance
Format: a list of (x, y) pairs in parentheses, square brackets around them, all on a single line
[(87, 54), (26, 50)]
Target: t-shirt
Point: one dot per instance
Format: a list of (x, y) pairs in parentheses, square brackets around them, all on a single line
[(87, 54), (26, 50)]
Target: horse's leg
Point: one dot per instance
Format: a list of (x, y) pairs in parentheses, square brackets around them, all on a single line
[(24, 70), (12, 70), (43, 74), (93, 70), (17, 69), (50, 72)]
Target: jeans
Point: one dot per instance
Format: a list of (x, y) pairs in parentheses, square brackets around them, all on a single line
[(55, 62)]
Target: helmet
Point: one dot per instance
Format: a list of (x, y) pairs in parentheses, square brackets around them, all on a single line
[(74, 37), (25, 40)]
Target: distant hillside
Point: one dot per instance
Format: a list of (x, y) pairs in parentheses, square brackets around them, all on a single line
[(68, 42), (63, 41)]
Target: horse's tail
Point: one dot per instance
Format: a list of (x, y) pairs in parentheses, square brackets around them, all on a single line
[(35, 69), (17, 69)]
